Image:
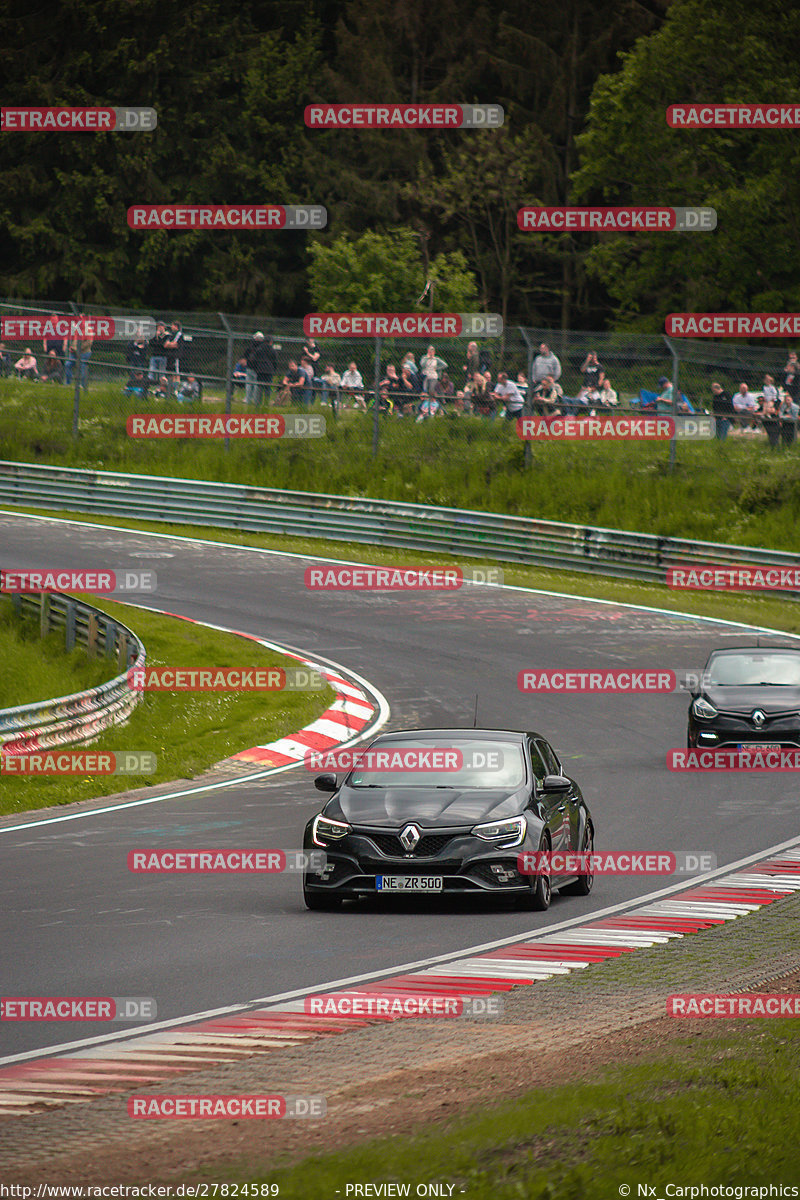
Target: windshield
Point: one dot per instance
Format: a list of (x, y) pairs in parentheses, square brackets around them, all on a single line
[(457, 764), (743, 670)]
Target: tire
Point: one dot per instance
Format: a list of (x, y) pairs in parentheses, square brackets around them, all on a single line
[(583, 885), (321, 901), (541, 893), (691, 744)]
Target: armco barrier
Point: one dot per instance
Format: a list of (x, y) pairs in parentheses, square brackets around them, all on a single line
[(445, 531), (82, 716)]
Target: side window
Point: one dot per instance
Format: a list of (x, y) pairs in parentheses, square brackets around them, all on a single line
[(550, 760), (539, 769)]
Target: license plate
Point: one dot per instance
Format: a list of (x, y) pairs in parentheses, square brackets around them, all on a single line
[(409, 883), (759, 746)]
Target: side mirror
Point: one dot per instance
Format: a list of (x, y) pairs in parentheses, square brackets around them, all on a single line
[(325, 783), (553, 784)]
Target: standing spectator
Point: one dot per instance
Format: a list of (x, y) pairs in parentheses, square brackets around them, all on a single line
[(251, 385), (407, 391), (791, 376), (473, 362), (389, 386), (331, 382), (294, 382), (264, 362), (608, 397), (769, 417), (787, 415), (353, 385), (409, 364), (507, 393), (744, 402), (25, 366), (722, 411), (5, 361), (52, 370), (173, 352), (545, 363), (158, 357), (593, 374), (80, 351), (308, 390), (58, 344), (477, 396), (431, 367), (312, 352), (137, 356), (770, 392)]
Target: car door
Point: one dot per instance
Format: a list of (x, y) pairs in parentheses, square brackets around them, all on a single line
[(553, 805), (571, 799)]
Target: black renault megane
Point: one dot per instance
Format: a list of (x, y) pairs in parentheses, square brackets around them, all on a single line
[(747, 696), (447, 811)]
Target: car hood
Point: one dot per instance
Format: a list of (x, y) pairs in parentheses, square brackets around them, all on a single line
[(432, 807), (744, 699)]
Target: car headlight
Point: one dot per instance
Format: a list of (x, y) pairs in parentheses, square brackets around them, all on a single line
[(324, 830), (704, 708), (504, 833)]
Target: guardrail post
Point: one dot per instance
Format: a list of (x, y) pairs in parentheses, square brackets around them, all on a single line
[(44, 613), (91, 636), (122, 652), (69, 625), (109, 639)]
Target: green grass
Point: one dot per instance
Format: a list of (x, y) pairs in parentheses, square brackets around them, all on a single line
[(187, 731), (32, 668), (739, 491), (723, 1111)]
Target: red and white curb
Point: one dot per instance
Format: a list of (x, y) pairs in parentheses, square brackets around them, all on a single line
[(41, 1084)]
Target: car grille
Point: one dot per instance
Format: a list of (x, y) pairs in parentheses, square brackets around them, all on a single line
[(428, 844), (442, 866)]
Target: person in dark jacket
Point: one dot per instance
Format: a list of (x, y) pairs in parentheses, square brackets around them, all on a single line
[(723, 410), (264, 362)]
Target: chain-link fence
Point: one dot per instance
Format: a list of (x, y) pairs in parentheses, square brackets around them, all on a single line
[(225, 363)]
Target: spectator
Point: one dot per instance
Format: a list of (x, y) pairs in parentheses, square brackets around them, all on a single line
[(473, 362), (722, 411), (312, 352), (787, 415), (430, 407), (137, 356), (769, 416), (240, 375), (571, 404), (444, 390), (549, 396), (522, 384), (172, 349), (161, 391), (264, 362), (331, 381), (52, 371), (409, 364), (390, 385), (26, 366), (158, 357), (508, 394), (545, 363), (593, 374), (251, 385), (55, 343), (308, 390), (408, 390), (665, 392), (744, 402), (791, 376), (431, 367), (770, 392), (5, 361), (608, 397), (136, 386), (80, 349), (353, 385), (294, 382), (483, 404), (189, 391)]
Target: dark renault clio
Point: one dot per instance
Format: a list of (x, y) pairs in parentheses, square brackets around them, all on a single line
[(455, 830), (747, 696)]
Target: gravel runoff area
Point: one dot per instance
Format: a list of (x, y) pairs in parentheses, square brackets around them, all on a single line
[(413, 1072)]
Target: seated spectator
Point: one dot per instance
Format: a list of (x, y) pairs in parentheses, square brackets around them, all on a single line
[(548, 397), (769, 392), (331, 381), (745, 406), (608, 397), (665, 393), (430, 407), (5, 361), (593, 375), (788, 412), (293, 383), (58, 344), (189, 391), (239, 376), (389, 386), (573, 404), (508, 396), (444, 390), (26, 366), (161, 391), (52, 369), (353, 385), (769, 416), (431, 367), (138, 355), (522, 384), (385, 403), (136, 386), (480, 395)]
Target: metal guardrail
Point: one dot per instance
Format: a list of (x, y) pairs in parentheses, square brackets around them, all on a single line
[(446, 531), (81, 716)]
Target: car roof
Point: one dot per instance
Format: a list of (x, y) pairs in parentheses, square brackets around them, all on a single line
[(508, 735), (755, 650)]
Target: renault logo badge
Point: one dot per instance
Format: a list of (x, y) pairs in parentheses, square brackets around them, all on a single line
[(409, 837), (759, 718)]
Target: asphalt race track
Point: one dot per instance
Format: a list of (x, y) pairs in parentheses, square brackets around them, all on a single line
[(74, 921)]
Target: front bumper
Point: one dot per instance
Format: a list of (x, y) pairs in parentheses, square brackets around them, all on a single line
[(732, 729)]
